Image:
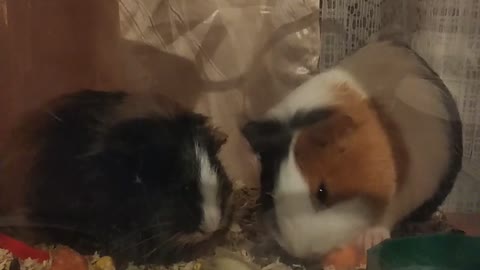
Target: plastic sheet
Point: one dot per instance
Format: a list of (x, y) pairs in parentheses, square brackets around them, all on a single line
[(249, 53), (229, 59), (253, 52)]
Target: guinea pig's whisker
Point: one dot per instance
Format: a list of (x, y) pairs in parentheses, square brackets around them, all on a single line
[(173, 238), (143, 241), (152, 226), (167, 242), (148, 254)]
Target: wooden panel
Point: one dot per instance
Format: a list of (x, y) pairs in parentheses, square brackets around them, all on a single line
[(52, 47)]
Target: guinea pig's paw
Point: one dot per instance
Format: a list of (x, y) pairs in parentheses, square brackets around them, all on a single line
[(372, 237)]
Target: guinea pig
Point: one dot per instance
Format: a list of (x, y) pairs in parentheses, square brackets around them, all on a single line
[(134, 174), (368, 144)]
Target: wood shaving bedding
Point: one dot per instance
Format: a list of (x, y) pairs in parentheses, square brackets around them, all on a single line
[(245, 249)]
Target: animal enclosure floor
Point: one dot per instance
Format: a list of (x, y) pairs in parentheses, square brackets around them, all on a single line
[(246, 245)]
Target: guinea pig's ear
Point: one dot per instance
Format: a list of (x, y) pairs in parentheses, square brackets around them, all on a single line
[(263, 135), (203, 123)]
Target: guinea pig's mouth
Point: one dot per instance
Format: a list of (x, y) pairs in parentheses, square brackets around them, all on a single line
[(273, 242)]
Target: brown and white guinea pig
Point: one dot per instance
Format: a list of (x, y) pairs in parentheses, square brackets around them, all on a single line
[(134, 175), (357, 149)]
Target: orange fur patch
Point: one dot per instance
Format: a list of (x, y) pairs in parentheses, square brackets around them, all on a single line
[(349, 153)]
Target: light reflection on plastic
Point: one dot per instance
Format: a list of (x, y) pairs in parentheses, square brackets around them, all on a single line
[(265, 10), (302, 70), (211, 17)]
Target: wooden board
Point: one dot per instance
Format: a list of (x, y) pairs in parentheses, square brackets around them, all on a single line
[(52, 47)]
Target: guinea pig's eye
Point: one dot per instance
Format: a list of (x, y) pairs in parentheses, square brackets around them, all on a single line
[(322, 193), (188, 187)]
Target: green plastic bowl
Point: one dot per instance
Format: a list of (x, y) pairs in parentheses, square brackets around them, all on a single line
[(430, 252)]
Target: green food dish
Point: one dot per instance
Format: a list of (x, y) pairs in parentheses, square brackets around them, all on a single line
[(430, 252)]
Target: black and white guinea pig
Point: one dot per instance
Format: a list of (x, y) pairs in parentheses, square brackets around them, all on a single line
[(367, 144), (135, 173)]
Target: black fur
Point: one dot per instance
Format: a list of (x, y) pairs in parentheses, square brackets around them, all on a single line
[(271, 139), (130, 186), (303, 119)]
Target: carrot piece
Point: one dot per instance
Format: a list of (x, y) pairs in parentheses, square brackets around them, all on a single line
[(346, 258), (65, 258)]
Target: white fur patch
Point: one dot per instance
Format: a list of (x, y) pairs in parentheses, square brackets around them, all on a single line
[(315, 93), (209, 190), (304, 232), (292, 191)]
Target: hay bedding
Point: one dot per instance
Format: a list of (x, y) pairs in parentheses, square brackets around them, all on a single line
[(246, 248)]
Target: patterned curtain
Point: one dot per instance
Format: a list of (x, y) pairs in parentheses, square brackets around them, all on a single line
[(447, 34)]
